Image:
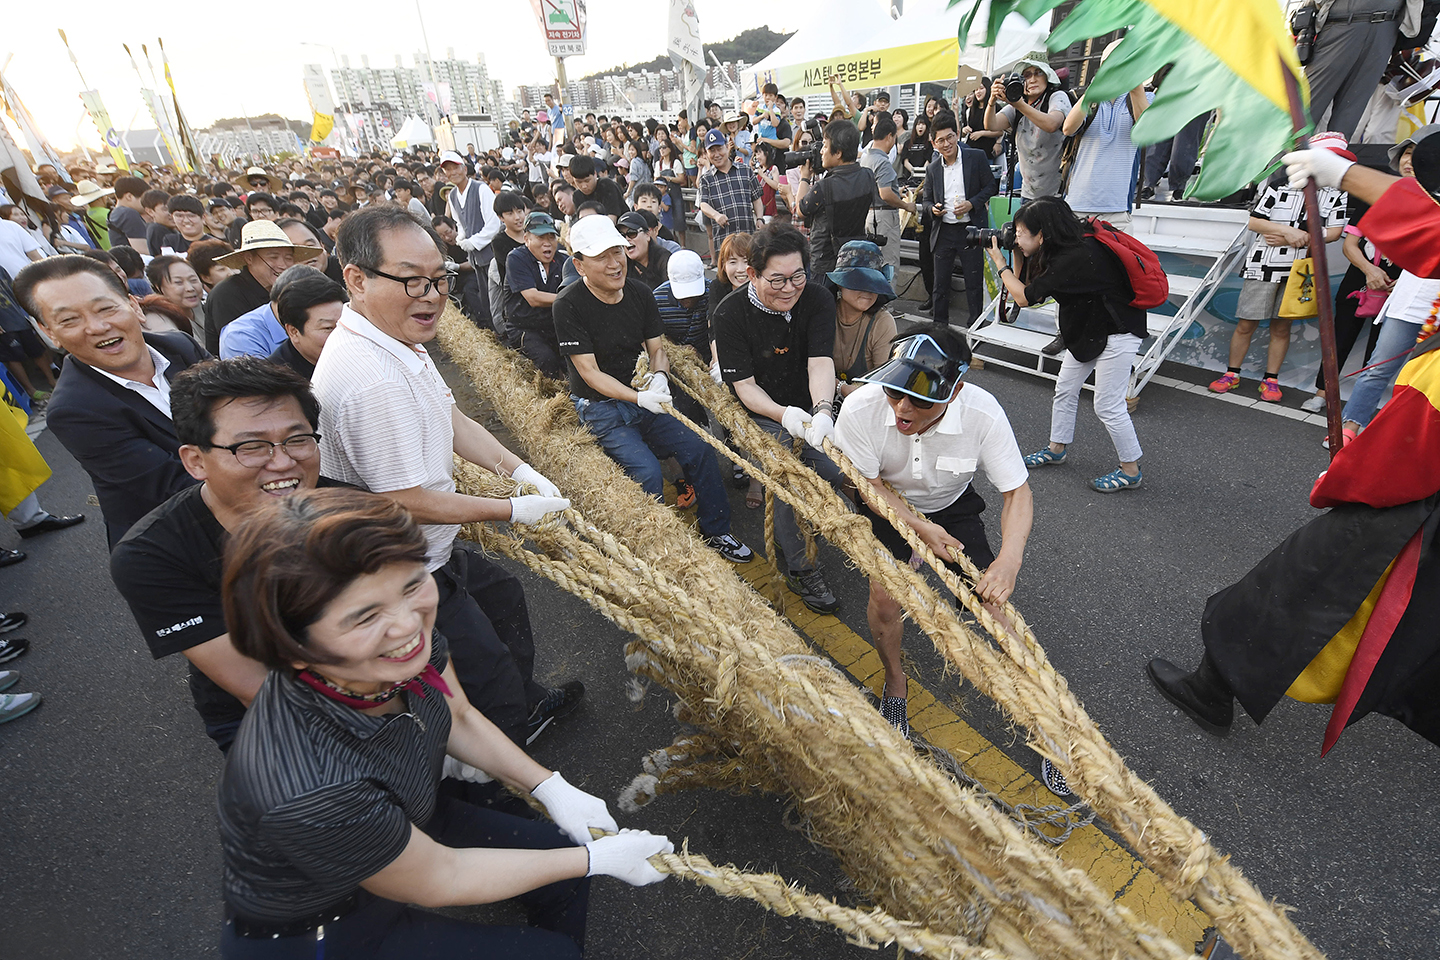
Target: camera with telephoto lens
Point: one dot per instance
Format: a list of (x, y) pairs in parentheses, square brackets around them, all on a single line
[(795, 158), (1302, 28), (981, 236), (1014, 88)]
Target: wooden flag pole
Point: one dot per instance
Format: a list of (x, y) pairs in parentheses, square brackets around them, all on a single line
[(1329, 363)]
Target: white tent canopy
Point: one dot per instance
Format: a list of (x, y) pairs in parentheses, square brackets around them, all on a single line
[(859, 41), (412, 131)]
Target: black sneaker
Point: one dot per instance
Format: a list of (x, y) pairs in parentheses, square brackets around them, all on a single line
[(730, 548), (812, 588), (1054, 780), (896, 713), (739, 479), (925, 309), (1147, 193), (558, 701), (12, 621), (13, 647), (1055, 347)]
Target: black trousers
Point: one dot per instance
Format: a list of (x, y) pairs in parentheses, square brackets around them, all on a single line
[(948, 244), (1348, 327), (960, 519), (483, 615), (927, 262), (380, 929), (542, 348)]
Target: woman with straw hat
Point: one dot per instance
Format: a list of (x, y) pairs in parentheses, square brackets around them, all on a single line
[(90, 199)]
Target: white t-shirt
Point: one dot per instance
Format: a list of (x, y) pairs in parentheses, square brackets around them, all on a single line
[(15, 243), (385, 419), (1411, 299), (933, 469)]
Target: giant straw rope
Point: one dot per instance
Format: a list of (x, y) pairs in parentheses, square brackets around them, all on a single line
[(924, 847)]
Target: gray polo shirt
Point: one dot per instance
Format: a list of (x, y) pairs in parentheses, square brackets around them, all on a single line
[(878, 163), (1038, 151)]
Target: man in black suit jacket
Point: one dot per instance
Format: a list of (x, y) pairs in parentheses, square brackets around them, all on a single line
[(111, 406), (947, 214)]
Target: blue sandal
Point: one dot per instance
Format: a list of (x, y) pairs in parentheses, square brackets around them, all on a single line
[(1115, 481), (1044, 457)]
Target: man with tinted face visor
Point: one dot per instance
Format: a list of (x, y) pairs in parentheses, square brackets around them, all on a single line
[(914, 425)]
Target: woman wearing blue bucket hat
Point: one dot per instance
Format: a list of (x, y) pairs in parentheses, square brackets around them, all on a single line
[(864, 330)]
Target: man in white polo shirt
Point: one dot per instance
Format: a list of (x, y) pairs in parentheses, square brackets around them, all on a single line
[(916, 426), (389, 424)]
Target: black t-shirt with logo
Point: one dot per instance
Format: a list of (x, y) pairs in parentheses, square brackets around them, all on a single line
[(167, 567), (836, 211), (613, 332), (775, 351)]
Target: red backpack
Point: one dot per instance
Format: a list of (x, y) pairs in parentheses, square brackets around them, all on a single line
[(1147, 278)]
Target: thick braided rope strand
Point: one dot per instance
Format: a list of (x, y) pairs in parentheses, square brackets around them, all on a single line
[(1023, 682), (481, 482), (911, 837)]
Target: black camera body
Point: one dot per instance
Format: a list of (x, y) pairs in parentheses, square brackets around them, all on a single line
[(981, 236), (1014, 88), (795, 158), (1302, 27)]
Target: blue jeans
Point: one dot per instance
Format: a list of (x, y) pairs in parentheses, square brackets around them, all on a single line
[(1396, 337), (637, 440)]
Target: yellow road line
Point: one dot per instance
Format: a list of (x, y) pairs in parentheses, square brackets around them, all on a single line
[(1107, 862)]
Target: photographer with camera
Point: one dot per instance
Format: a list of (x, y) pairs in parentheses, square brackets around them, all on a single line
[(958, 188), (836, 207), (1034, 108), (1101, 329)]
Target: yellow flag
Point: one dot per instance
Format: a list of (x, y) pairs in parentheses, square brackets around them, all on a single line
[(320, 126)]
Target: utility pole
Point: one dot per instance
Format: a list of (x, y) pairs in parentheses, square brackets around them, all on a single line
[(569, 121)]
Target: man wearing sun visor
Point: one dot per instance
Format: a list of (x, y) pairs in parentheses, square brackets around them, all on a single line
[(915, 426)]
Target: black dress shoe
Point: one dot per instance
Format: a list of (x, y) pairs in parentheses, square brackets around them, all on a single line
[(1055, 347), (8, 557), (1212, 708), (12, 621), (51, 522)]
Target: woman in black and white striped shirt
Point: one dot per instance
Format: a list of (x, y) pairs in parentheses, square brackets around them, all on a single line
[(330, 821)]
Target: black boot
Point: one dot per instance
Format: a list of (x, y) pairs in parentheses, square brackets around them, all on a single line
[(1204, 696)]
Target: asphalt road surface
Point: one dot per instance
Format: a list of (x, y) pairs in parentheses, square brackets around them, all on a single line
[(108, 844)]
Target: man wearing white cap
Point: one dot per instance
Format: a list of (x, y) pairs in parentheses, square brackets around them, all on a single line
[(602, 323), (265, 253), (472, 206)]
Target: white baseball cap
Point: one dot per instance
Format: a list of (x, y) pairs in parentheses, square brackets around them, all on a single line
[(563, 160), (687, 274), (593, 235), (450, 156)]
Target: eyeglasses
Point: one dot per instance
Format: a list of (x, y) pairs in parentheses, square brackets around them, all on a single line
[(629, 234), (915, 402), (796, 280), (944, 140), (418, 288), (257, 453)]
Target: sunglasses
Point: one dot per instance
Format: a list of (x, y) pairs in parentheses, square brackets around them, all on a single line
[(915, 402), (629, 234)]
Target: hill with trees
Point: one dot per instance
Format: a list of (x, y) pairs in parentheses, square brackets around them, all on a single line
[(752, 46)]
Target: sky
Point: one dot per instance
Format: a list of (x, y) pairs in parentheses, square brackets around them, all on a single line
[(226, 66)]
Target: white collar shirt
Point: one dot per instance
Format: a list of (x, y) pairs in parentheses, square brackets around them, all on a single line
[(157, 396), (934, 468), (385, 418), (954, 187)]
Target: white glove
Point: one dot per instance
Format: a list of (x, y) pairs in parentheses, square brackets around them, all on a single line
[(460, 770), (528, 474), (653, 400), (575, 811), (1327, 167), (466, 243), (795, 420), (658, 382), (626, 856), (715, 372), (533, 509), (822, 428)]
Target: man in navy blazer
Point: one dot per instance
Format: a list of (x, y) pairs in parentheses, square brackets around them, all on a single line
[(948, 206), (111, 406)]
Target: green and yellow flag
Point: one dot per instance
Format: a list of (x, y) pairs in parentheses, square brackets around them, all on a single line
[(1228, 55)]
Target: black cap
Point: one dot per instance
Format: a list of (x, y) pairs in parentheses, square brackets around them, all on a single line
[(919, 367)]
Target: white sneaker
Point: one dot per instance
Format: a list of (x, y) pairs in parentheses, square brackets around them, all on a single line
[(1315, 404)]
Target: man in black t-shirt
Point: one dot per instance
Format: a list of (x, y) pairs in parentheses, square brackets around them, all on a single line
[(775, 336), (590, 186), (603, 322), (837, 207), (533, 276)]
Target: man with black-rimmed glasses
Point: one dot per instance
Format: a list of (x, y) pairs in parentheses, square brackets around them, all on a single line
[(389, 424), (774, 338)]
